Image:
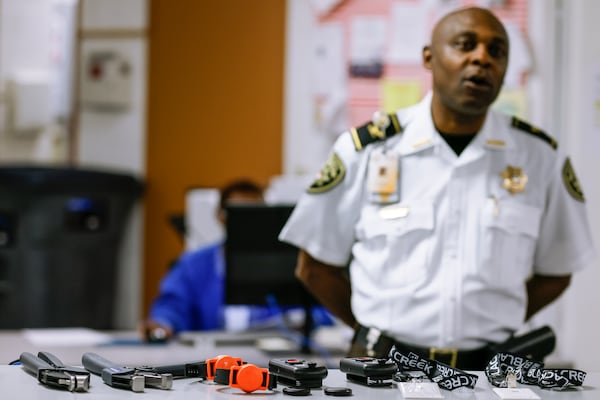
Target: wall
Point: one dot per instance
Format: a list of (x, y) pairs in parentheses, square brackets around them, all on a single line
[(304, 147), (40, 35), (213, 84), (213, 91), (115, 139), (215, 108), (581, 137), (26, 25)]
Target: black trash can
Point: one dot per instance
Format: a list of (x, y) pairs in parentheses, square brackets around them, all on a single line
[(60, 235)]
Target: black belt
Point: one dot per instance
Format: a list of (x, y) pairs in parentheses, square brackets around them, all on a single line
[(372, 342)]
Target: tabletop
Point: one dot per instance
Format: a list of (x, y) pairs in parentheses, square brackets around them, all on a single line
[(124, 349), (18, 384)]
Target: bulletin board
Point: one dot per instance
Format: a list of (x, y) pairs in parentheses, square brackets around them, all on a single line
[(379, 43)]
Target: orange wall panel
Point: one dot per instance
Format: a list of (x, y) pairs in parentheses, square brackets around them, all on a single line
[(215, 108)]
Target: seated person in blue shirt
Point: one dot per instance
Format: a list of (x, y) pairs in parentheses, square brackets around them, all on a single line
[(191, 295)]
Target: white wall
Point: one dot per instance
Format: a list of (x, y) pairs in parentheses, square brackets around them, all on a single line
[(116, 138), (305, 149), (23, 25), (581, 137), (31, 39)]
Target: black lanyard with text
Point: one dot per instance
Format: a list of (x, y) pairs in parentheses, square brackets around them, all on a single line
[(445, 376), (530, 372)]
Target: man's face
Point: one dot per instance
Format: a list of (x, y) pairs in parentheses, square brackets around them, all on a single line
[(468, 58)]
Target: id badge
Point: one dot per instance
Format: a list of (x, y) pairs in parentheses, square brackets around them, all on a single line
[(382, 177)]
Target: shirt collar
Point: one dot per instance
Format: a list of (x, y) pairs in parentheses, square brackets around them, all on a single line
[(419, 133), (495, 133)]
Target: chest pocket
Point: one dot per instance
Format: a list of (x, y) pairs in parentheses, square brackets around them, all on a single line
[(509, 236), (395, 251)]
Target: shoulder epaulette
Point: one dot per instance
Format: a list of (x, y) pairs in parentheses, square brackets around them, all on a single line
[(525, 127), (370, 132)]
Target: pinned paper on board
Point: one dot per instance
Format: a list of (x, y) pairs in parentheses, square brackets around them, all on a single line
[(324, 7), (399, 94), (329, 81), (368, 38), (521, 60), (409, 31), (594, 97)]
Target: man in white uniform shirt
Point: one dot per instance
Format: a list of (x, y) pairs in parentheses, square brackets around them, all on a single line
[(457, 223)]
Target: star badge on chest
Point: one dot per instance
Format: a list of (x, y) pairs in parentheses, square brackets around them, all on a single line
[(513, 179)]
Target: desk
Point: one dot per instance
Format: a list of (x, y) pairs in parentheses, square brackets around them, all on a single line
[(18, 384), (126, 348)]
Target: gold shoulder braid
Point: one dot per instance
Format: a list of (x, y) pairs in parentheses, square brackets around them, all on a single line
[(381, 127), (571, 182), (525, 127), (331, 175)]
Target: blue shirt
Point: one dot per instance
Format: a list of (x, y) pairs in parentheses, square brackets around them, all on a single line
[(191, 295)]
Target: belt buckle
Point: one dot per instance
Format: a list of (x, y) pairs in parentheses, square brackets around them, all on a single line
[(452, 352)]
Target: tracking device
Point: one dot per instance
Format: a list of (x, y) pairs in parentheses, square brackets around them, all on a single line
[(217, 368), (249, 378), (368, 370), (297, 373)]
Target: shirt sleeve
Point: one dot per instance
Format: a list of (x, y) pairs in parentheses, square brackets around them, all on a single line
[(322, 223), (191, 294), (172, 306), (565, 244)]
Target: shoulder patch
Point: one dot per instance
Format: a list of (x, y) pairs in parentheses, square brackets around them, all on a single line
[(372, 132), (330, 176), (525, 127), (571, 182)]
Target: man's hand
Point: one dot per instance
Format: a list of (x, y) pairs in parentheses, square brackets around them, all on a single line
[(154, 332)]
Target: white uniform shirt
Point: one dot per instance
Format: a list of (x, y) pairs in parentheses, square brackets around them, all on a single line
[(451, 272)]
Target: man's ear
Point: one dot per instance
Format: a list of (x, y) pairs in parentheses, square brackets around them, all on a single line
[(427, 57), (221, 216)]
